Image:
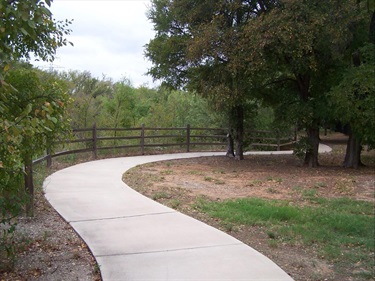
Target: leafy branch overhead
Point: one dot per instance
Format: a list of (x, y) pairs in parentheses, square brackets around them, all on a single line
[(27, 27)]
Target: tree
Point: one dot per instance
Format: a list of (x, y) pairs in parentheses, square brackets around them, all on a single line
[(357, 87), (86, 91), (300, 44), (119, 110), (353, 100), (34, 117), (196, 46), (26, 110)]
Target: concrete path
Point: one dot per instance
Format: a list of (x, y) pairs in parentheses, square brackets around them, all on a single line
[(135, 238)]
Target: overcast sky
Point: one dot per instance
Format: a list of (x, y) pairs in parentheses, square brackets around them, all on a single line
[(108, 37)]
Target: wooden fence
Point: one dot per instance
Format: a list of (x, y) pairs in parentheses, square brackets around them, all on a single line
[(184, 138)]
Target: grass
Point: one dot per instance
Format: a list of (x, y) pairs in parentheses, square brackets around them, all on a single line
[(341, 229)]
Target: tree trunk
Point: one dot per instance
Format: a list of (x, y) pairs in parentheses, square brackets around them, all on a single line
[(353, 147), (312, 152), (353, 153), (236, 121), (239, 118), (230, 146), (29, 187)]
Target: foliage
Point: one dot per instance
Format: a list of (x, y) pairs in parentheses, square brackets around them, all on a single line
[(32, 116), (353, 99), (119, 109), (28, 27), (86, 91), (298, 47), (179, 108), (120, 104)]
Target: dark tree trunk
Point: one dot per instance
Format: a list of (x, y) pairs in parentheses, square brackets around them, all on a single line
[(230, 146), (236, 121), (353, 148), (311, 157), (239, 117), (353, 153)]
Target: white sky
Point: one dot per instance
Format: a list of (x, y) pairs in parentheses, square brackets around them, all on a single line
[(108, 37)]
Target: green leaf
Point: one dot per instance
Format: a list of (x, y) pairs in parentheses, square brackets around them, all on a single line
[(31, 24), (24, 31), (53, 119)]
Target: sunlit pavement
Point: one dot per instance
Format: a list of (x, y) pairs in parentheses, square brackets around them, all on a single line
[(135, 238)]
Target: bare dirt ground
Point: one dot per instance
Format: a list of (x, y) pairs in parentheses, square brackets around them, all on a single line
[(49, 249), (178, 184)]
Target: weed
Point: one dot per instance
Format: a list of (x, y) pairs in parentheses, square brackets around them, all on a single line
[(167, 172), (273, 243), (219, 182), (271, 234), (208, 179), (255, 183), (219, 172), (174, 204), (308, 193), (194, 172), (160, 195), (277, 180), (97, 269), (229, 227), (272, 190), (320, 185)]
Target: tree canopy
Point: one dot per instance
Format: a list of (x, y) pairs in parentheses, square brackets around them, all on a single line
[(287, 52)]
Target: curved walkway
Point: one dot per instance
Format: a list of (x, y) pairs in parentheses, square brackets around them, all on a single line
[(135, 238)]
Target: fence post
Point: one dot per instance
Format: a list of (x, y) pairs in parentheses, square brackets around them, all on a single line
[(188, 137), (49, 157), (278, 140), (143, 139), (94, 141)]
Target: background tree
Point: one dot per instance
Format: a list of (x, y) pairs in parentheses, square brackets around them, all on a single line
[(353, 100), (194, 48), (86, 91), (119, 109), (356, 88), (300, 44)]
